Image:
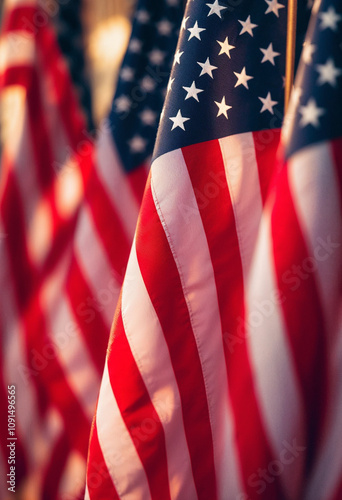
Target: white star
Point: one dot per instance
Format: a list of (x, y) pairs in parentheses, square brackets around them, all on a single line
[(207, 68), (329, 19), (123, 103), (127, 74), (178, 120), (156, 57), (142, 16), (247, 26), (185, 20), (178, 55), (164, 27), (308, 50), (328, 73), (269, 54), (192, 91), (215, 8), (273, 6), (267, 103), (148, 117), (195, 31), (310, 114), (169, 85), (242, 78), (148, 84), (225, 47), (223, 107), (137, 144), (135, 45)]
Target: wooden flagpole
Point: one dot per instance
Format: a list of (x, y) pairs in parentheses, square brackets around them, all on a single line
[(290, 49)]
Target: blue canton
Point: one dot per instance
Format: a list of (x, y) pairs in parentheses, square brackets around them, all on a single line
[(228, 72), (143, 79), (317, 97)]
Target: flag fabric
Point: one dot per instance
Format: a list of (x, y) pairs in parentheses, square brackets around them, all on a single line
[(67, 19), (177, 414), (68, 213), (294, 296)]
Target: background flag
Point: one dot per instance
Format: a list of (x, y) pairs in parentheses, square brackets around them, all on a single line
[(67, 221), (293, 304), (177, 415)]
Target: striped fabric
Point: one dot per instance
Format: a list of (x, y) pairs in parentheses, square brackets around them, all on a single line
[(61, 262), (223, 372)]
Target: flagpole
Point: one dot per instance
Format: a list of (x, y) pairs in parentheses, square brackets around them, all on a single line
[(290, 49)]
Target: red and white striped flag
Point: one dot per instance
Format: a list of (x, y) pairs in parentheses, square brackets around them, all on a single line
[(294, 296), (68, 215), (176, 416)]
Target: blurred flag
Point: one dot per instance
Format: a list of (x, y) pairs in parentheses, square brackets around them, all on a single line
[(67, 222), (177, 414), (293, 304), (67, 18)]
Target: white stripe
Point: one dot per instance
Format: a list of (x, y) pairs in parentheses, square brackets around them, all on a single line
[(19, 3), (86, 495), (96, 269), (72, 481), (67, 339), (242, 175), (119, 452), (114, 180), (152, 356), (328, 471), (275, 381), (17, 48), (315, 192), (170, 188)]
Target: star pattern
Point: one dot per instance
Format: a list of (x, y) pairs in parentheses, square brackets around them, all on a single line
[(143, 80), (317, 101), (207, 68), (215, 8), (242, 78), (222, 107), (247, 26), (192, 91), (178, 120), (330, 19), (225, 47), (225, 79), (328, 73), (310, 113), (273, 6), (195, 31), (269, 54), (267, 103)]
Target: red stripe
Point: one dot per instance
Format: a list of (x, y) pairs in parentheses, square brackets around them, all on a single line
[(138, 413), (337, 495), (16, 75), (161, 277), (109, 226), (302, 310), (219, 225), (99, 481), (54, 472), (88, 315), (266, 144), (137, 179)]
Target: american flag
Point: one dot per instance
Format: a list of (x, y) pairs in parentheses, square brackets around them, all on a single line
[(294, 300), (178, 416), (68, 213)]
